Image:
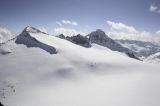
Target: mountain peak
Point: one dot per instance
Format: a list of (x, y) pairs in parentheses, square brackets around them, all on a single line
[(100, 30), (32, 37), (31, 29), (98, 34)]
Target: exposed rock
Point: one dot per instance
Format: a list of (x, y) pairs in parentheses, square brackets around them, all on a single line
[(1, 104), (30, 41)]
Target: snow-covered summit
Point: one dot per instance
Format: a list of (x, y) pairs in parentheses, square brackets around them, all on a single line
[(32, 30), (32, 37)]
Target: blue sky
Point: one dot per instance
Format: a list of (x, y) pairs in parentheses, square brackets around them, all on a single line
[(88, 14)]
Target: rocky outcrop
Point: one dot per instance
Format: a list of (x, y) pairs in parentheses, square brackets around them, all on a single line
[(27, 39)]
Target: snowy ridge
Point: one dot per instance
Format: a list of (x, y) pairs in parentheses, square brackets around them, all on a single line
[(141, 48), (154, 58), (27, 38)]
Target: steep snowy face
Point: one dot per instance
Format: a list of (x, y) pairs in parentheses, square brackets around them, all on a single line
[(141, 48), (99, 37), (28, 38)]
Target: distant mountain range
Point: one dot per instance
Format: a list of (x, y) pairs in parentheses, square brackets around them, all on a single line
[(32, 37)]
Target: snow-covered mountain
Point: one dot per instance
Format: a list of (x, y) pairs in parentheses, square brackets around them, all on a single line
[(99, 37), (154, 58), (74, 75), (140, 48), (32, 37)]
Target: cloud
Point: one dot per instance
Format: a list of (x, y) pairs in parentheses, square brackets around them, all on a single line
[(121, 27), (59, 23), (154, 8), (74, 23), (5, 34), (66, 31), (158, 32), (67, 22), (120, 30)]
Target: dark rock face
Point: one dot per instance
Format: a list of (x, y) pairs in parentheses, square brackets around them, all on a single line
[(29, 41), (61, 36), (99, 37), (132, 55), (1, 104), (78, 39)]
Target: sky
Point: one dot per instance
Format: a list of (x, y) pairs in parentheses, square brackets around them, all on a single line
[(81, 15)]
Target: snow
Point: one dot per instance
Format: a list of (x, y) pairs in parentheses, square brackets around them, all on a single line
[(154, 58), (76, 76), (31, 37), (99, 37), (141, 48)]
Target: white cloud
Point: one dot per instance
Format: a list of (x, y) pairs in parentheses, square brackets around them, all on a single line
[(123, 31), (5, 34), (66, 31), (74, 23), (59, 23), (121, 27), (158, 32), (153, 8), (67, 22)]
